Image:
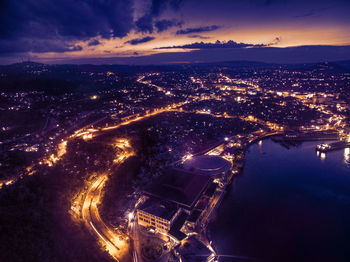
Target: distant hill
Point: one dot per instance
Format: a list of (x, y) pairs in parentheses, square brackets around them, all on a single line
[(72, 71), (22, 67), (330, 67), (344, 64)]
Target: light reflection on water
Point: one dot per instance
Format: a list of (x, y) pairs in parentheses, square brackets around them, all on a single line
[(347, 155), (322, 155)]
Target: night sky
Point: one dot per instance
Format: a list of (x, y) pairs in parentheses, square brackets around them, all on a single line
[(174, 31)]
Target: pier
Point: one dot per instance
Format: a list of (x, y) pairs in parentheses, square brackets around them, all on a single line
[(311, 136), (332, 146)]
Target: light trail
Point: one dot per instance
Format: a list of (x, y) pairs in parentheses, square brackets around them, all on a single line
[(117, 247), (91, 132), (93, 220), (98, 233), (159, 88)]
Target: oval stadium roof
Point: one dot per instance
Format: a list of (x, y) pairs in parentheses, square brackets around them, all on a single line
[(209, 165)]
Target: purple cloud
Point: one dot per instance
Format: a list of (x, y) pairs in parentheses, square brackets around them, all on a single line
[(196, 30), (54, 26), (217, 44), (138, 41), (163, 25), (145, 23), (94, 42)]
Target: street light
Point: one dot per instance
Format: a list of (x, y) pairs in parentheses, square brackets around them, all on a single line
[(94, 97), (188, 156)]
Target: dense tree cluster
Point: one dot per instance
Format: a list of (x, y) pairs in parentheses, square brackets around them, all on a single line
[(85, 157), (35, 224), (118, 190)]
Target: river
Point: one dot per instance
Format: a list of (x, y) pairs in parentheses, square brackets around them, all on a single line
[(286, 205)]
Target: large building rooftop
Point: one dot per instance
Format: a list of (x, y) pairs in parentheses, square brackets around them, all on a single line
[(179, 186), (208, 165), (158, 208)]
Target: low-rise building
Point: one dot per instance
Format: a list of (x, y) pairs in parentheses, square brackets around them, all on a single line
[(157, 214), (176, 197)]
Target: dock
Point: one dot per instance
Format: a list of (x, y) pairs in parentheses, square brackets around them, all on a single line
[(303, 137), (332, 146)]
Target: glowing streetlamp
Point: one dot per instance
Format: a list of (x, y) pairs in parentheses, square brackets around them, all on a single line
[(94, 97), (188, 156)]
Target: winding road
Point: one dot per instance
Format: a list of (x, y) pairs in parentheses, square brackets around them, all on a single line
[(116, 246)]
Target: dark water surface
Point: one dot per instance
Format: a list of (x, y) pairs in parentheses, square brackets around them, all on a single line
[(287, 205)]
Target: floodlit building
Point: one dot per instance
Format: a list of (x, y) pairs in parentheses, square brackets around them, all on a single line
[(170, 200), (157, 214), (176, 201)]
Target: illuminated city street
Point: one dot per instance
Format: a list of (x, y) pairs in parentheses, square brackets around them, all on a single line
[(174, 131)]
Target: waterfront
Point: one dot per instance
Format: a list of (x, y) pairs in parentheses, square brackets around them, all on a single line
[(287, 205)]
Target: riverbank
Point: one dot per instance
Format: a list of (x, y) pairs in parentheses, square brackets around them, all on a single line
[(283, 194)]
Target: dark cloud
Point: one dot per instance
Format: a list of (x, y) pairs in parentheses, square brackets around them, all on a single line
[(158, 6), (94, 42), (163, 25), (195, 30), (36, 46), (145, 24), (199, 36), (61, 23), (277, 40), (217, 44), (142, 40)]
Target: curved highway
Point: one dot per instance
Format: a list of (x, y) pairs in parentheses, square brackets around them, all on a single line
[(116, 247)]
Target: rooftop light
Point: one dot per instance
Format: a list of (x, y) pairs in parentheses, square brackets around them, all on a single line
[(93, 97)]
